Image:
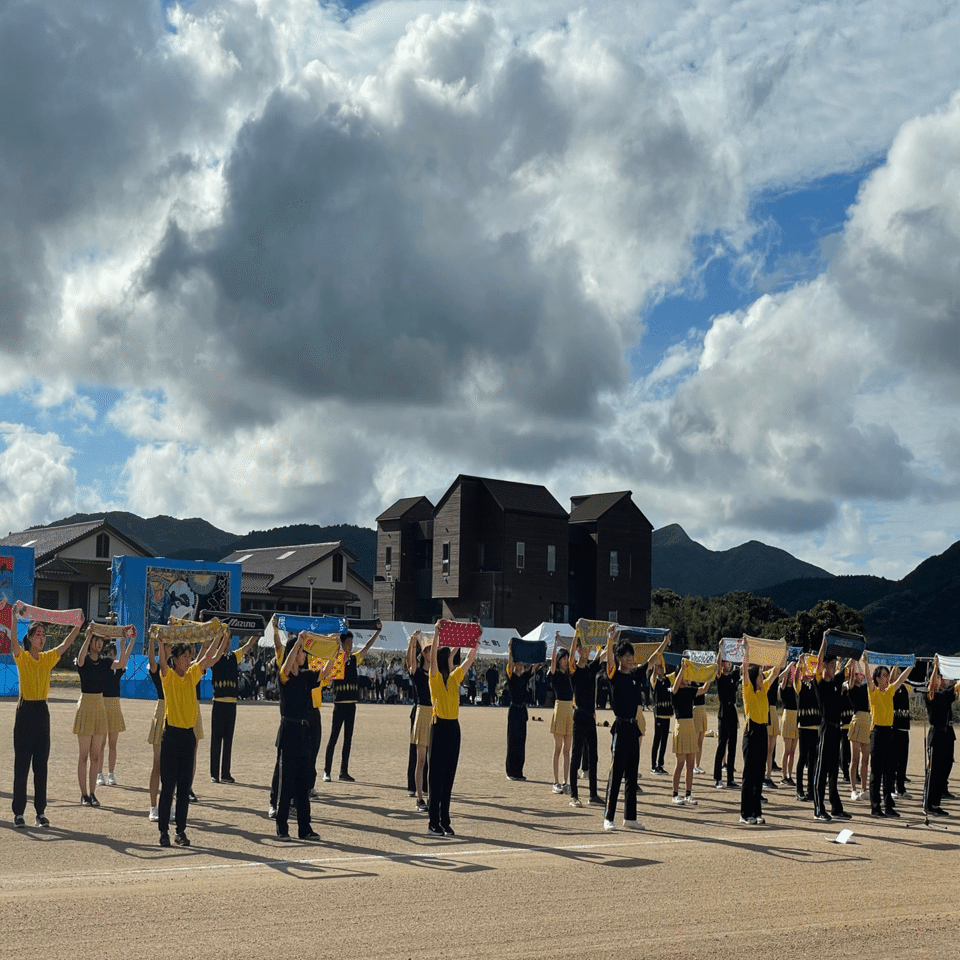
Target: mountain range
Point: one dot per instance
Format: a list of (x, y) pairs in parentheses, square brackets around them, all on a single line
[(919, 612)]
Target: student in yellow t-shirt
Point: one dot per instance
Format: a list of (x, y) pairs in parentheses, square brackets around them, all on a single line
[(179, 677), (882, 759), (445, 737), (756, 707), (31, 727)]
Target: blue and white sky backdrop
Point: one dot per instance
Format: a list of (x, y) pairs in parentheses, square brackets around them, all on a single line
[(280, 261)]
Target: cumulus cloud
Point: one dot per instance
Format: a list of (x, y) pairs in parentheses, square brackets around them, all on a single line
[(37, 479), (332, 259)]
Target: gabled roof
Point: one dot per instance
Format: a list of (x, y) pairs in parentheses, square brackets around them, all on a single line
[(48, 541), (273, 566), (514, 497), (402, 507), (591, 507)]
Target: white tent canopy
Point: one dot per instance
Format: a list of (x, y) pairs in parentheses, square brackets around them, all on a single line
[(546, 633), (395, 635)]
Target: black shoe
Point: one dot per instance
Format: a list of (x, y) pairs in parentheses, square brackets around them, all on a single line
[(823, 817), (845, 779), (19, 822), (890, 812), (448, 831), (181, 840), (842, 815), (227, 780), (93, 801), (938, 812), (346, 778), (284, 837), (193, 797), (435, 830), (84, 801), (877, 812), (767, 782), (733, 785), (310, 835), (214, 779), (42, 821), (801, 797), (164, 839), (947, 795), (599, 801)]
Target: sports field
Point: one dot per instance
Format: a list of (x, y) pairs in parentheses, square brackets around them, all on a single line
[(526, 876)]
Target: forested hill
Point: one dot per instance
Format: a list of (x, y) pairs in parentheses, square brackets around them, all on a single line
[(687, 567)]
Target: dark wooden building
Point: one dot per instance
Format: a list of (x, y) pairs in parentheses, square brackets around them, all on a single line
[(610, 556), (403, 586), (500, 553)]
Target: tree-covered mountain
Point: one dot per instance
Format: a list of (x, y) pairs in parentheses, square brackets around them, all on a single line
[(196, 539), (689, 568), (852, 591)]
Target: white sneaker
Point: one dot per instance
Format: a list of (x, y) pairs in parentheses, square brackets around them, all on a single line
[(609, 825), (699, 770), (677, 798), (689, 801), (111, 780), (100, 781), (154, 814), (576, 803), (557, 788), (327, 778), (272, 812), (566, 787), (633, 825)]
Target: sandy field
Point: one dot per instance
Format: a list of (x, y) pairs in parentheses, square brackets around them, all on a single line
[(526, 876)]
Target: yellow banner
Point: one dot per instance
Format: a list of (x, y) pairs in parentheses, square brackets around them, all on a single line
[(593, 633), (698, 672)]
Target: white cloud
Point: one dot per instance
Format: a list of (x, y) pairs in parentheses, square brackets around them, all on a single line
[(334, 260), (37, 480)]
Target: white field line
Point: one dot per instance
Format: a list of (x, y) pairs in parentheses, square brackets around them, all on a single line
[(444, 856)]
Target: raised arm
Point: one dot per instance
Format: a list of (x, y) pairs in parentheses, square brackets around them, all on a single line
[(161, 656), (820, 655), (510, 661), (902, 679), (213, 651), (412, 651), (82, 655), (471, 656), (65, 644), (287, 669), (15, 647), (248, 646), (369, 643), (121, 662), (678, 681), (934, 685), (553, 658), (433, 656), (612, 634)]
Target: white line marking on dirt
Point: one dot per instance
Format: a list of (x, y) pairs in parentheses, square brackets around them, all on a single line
[(441, 855)]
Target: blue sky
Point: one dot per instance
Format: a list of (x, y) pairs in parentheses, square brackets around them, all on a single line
[(703, 252)]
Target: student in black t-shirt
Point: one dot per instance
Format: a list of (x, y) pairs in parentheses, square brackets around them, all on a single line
[(941, 694), (561, 723), (583, 675)]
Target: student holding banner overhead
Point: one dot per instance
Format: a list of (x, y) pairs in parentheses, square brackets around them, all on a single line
[(445, 736), (111, 701), (859, 733), (828, 684), (728, 679), (583, 674), (941, 694), (518, 687), (179, 678), (756, 709), (901, 736), (882, 760), (223, 713), (421, 719), (155, 735), (346, 693), (625, 700), (31, 726)]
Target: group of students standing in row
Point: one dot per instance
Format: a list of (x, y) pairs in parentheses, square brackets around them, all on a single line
[(838, 720)]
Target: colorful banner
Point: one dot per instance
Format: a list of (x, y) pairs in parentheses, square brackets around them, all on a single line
[(700, 656), (16, 583), (187, 631), (693, 672), (322, 647), (592, 633), (109, 631)]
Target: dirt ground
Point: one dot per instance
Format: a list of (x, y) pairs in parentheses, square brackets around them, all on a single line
[(526, 876)]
